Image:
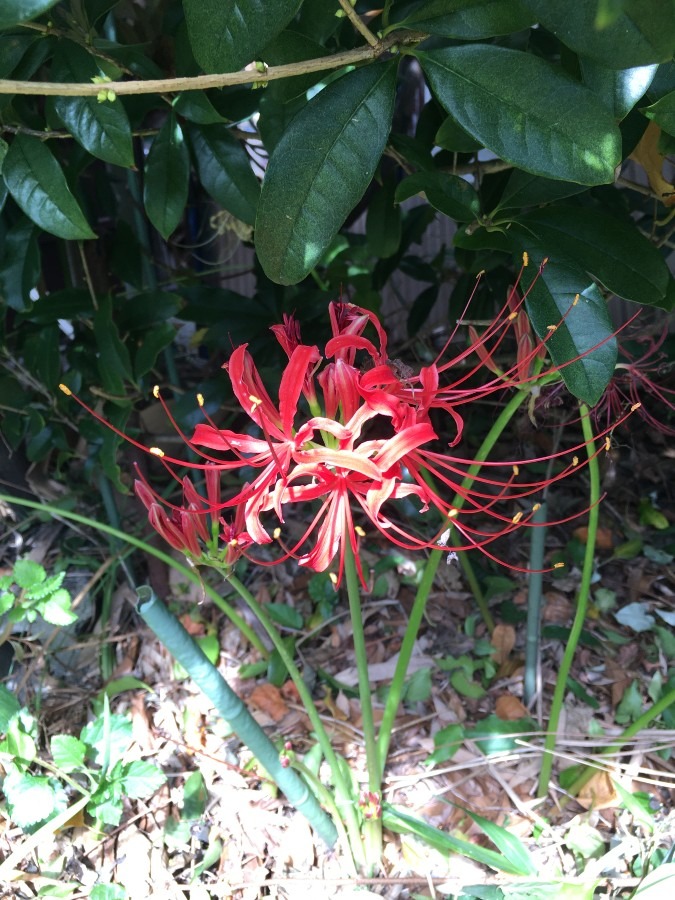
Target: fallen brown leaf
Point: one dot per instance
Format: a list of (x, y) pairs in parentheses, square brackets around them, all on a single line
[(503, 640), (268, 698), (509, 708)]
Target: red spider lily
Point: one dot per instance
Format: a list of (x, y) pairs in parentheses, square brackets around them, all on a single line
[(335, 455)]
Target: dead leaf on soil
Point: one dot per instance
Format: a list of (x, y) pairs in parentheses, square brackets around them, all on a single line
[(510, 708), (503, 640), (598, 793), (268, 698)]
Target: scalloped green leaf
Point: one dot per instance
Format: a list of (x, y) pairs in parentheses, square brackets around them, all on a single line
[(469, 19), (447, 193), (614, 252), (641, 32), (583, 344), (103, 129), (224, 170), (67, 752), (13, 12), (321, 168), (225, 35), (526, 111), (167, 175), (37, 183)]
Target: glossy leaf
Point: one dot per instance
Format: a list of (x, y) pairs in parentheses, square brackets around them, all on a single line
[(663, 112), (619, 89), (12, 12), (225, 35), (224, 170), (196, 107), (524, 189), (321, 168), (113, 360), (12, 48), (451, 136), (469, 19), (613, 251), (526, 111), (19, 265), (37, 183), (167, 174), (642, 32), (449, 194), (101, 128), (586, 331), (383, 222)]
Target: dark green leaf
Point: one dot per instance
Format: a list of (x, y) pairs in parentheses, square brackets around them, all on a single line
[(383, 222), (144, 310), (321, 168), (42, 355), (101, 128), (224, 170), (37, 183), (195, 796), (449, 194), (114, 363), (586, 331), (451, 136), (663, 112), (12, 48), (284, 615), (196, 107), (614, 252), (526, 111), (152, 344), (523, 190), (642, 32), (167, 174), (469, 19), (225, 35), (9, 706), (20, 265), (619, 89), (12, 12), (422, 306)]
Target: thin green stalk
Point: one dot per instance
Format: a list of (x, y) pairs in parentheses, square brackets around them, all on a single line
[(305, 696), (582, 605), (474, 584), (398, 681), (634, 728), (191, 574), (372, 828), (534, 594), (231, 708)]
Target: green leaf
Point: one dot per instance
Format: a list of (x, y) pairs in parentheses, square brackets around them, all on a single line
[(449, 194), (526, 111), (12, 12), (101, 128), (523, 190), (37, 183), (224, 170), (108, 892), (195, 797), (663, 112), (642, 32), (321, 168), (284, 615), (28, 574), (30, 798), (619, 89), (614, 252), (141, 778), (494, 735), (167, 175), (9, 706), (12, 49), (469, 19), (68, 752), (447, 742), (151, 346), (56, 610), (506, 842), (586, 331), (383, 222), (658, 883), (111, 744), (196, 107), (630, 707), (225, 35), (451, 136), (20, 266), (114, 363)]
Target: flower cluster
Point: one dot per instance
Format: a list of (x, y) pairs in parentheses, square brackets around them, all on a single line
[(352, 433)]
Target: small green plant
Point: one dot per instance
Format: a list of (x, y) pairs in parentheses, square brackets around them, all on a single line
[(28, 592), (92, 765)]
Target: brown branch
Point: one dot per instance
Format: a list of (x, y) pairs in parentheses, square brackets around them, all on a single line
[(203, 82)]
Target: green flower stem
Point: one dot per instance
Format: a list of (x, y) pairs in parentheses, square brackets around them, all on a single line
[(582, 605), (372, 828), (209, 680), (191, 574), (340, 783), (643, 721), (398, 681)]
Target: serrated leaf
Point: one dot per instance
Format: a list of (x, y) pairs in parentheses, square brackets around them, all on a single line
[(67, 752), (114, 744), (321, 168), (526, 111), (37, 183), (641, 32), (101, 128), (585, 335), (614, 252), (225, 35), (28, 574), (663, 112), (9, 706), (225, 171), (47, 586), (12, 12), (449, 194), (167, 175), (57, 609), (30, 798), (619, 89), (469, 19), (141, 778)]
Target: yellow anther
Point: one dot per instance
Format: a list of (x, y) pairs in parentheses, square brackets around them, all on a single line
[(512, 316), (233, 543), (575, 461), (536, 507), (518, 516), (516, 470), (200, 400), (481, 273), (360, 531), (526, 258), (551, 328), (66, 390), (333, 577), (544, 261), (255, 401), (453, 514), (634, 407), (576, 300), (155, 392), (559, 565), (608, 443), (156, 452), (276, 534)]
